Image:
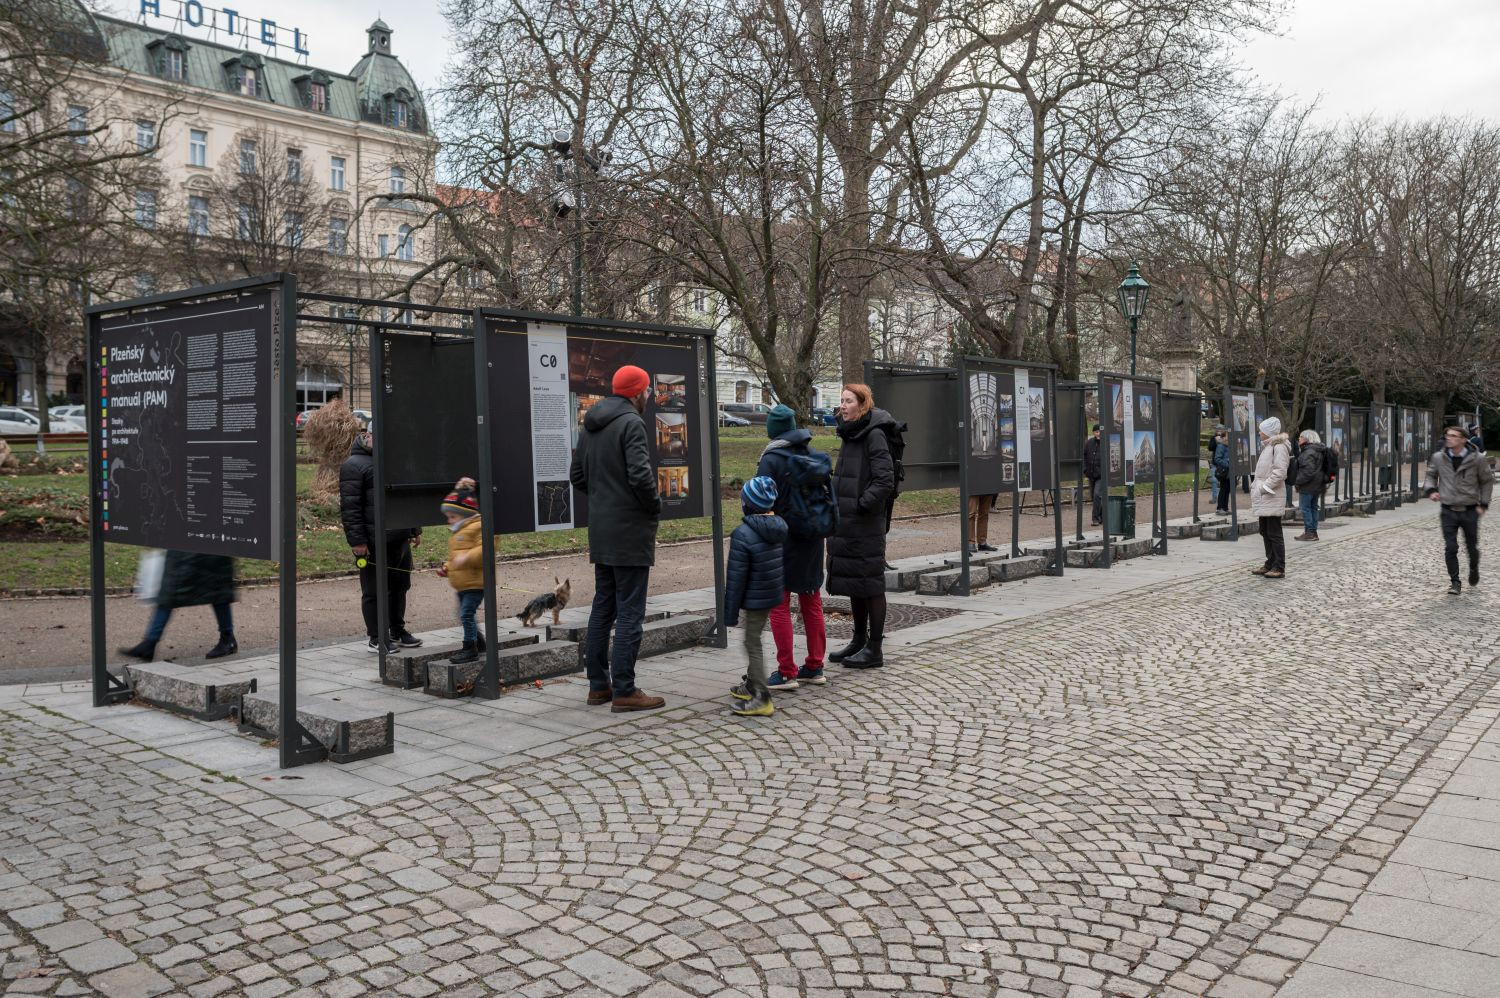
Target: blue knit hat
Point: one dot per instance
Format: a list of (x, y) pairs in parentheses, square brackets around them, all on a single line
[(781, 419), (759, 492)]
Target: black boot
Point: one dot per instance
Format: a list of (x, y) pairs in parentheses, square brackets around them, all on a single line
[(469, 653), (226, 646), (868, 657), (855, 644), (479, 641), (145, 651)]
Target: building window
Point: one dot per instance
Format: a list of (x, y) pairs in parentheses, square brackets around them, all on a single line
[(7, 112), (398, 180), (294, 166), (336, 173), (197, 215), (294, 226), (174, 64), (7, 195), (317, 96), (249, 81), (246, 230), (700, 300), (405, 244), (384, 243), (145, 209), (78, 123), (76, 197), (145, 136), (338, 236), (400, 113), (145, 284), (315, 387), (249, 155), (197, 147)]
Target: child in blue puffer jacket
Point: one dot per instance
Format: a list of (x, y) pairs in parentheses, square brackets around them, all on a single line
[(755, 585)]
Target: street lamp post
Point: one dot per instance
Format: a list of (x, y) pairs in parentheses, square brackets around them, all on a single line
[(1133, 293), (570, 200)]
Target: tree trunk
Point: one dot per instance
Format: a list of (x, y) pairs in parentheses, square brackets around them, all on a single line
[(854, 273)]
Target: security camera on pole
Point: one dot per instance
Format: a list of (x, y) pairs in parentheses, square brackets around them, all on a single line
[(569, 200)]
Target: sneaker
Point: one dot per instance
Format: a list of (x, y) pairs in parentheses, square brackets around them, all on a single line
[(778, 682), (741, 691), (812, 677), (759, 706), (373, 647), (1473, 576), (988, 547), (1456, 588), (406, 639)]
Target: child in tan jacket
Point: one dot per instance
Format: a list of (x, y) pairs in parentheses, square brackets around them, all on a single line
[(464, 568)]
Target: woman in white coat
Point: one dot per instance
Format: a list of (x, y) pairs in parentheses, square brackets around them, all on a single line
[(1268, 496)]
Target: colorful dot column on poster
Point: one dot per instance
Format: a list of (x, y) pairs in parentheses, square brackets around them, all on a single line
[(104, 432)]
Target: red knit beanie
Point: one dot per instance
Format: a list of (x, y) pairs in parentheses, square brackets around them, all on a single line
[(630, 381)]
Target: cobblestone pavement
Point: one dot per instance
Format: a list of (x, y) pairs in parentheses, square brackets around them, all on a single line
[(1145, 794)]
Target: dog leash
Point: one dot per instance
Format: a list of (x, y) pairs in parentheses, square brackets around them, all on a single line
[(362, 563)]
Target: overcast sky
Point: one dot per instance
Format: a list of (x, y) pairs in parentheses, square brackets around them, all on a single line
[(1388, 57)]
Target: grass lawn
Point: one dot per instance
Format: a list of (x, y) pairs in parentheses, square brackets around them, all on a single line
[(43, 524)]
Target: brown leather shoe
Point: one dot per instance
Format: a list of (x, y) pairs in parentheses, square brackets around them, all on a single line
[(636, 701), (1304, 536), (597, 697), (1262, 570), (1275, 574)]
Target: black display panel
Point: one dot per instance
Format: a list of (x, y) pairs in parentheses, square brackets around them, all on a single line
[(1383, 435), (1181, 423), (1010, 427), (928, 402), (1072, 424), (427, 432), (1131, 411), (544, 379), (187, 431), (1247, 409), (1334, 425)]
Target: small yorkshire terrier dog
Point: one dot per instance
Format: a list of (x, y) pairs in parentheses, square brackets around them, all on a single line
[(556, 601)]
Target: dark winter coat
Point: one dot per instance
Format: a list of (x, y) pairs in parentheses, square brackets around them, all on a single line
[(802, 557), (357, 499), (1310, 479), (612, 466), (864, 478), (1220, 459), (195, 580), (755, 580), (1092, 470)]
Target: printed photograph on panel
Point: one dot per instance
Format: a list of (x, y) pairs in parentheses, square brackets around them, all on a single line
[(671, 435), (1145, 408), (671, 391), (1007, 406), (1038, 399), (1116, 456), (672, 482), (983, 439), (1145, 454)]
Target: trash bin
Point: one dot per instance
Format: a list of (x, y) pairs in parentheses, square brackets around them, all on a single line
[(1121, 517)]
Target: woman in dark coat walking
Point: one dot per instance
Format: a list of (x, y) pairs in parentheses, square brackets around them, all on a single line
[(192, 580), (863, 479)]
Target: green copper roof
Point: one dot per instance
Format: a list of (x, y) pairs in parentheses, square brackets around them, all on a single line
[(355, 96)]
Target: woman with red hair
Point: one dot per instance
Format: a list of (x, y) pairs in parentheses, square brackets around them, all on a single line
[(864, 478)]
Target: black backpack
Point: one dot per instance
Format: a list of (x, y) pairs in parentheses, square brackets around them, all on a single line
[(807, 503), (896, 434), (1330, 463)]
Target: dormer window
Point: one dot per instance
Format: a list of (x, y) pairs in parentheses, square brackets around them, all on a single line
[(400, 113), (313, 90), (169, 57), (243, 75), (398, 108)]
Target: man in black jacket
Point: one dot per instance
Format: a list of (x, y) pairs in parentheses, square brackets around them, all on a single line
[(1095, 474), (357, 509), (612, 466)]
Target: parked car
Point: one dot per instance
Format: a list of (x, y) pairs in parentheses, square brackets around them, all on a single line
[(365, 418), (825, 417), (302, 418), (754, 412), (14, 419), (730, 419), (67, 418)]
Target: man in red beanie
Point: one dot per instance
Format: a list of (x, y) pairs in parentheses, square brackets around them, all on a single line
[(612, 466)]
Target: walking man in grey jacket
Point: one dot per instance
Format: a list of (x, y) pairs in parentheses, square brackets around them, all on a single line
[(612, 466), (1459, 477)]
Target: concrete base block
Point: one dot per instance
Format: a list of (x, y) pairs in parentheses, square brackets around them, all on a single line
[(975, 558), (1182, 529), (408, 669), (945, 581), (1012, 569), (1085, 556), (198, 691), (349, 733), (577, 630), (521, 663), (908, 570)]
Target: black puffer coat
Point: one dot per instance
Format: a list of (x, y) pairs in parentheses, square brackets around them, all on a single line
[(1310, 479), (802, 557), (612, 466), (195, 580), (754, 579), (1092, 470), (863, 479), (357, 499)]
